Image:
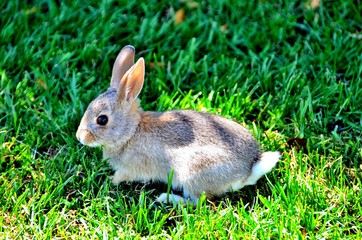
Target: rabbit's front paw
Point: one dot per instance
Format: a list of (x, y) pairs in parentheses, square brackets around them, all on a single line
[(119, 177)]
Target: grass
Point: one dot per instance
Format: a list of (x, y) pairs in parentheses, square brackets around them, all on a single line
[(289, 73)]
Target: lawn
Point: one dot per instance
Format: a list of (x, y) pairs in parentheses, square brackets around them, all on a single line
[(288, 71)]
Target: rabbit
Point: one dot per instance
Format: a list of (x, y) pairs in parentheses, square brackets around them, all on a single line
[(206, 153)]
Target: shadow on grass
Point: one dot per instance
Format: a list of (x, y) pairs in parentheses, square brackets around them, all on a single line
[(247, 194)]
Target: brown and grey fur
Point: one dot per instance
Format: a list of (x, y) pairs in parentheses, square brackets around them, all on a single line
[(208, 153)]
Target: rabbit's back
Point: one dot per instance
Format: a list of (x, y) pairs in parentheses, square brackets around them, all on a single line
[(183, 128)]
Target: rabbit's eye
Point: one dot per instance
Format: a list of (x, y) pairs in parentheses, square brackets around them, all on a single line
[(102, 120)]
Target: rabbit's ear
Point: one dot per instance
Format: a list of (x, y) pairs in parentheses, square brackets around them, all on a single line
[(123, 63), (132, 82)]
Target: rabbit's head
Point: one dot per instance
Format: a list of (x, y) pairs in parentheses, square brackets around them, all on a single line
[(111, 119)]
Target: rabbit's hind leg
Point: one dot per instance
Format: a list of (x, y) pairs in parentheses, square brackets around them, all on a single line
[(170, 198)]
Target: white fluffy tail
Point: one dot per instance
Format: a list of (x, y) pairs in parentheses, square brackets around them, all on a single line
[(267, 161)]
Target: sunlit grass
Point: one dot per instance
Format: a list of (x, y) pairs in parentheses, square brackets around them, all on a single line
[(290, 74)]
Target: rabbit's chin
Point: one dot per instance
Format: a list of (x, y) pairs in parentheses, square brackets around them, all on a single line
[(93, 144), (90, 144)]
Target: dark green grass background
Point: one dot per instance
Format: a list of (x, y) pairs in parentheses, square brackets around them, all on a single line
[(289, 73)]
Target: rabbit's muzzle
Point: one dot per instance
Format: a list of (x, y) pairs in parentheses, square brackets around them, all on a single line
[(85, 137)]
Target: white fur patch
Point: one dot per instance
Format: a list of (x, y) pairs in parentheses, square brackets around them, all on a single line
[(93, 144), (235, 186), (173, 198), (266, 163)]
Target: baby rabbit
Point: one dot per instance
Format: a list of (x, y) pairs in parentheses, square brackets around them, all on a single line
[(207, 153)]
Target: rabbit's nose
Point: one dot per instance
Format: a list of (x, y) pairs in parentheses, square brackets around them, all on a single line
[(78, 134)]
